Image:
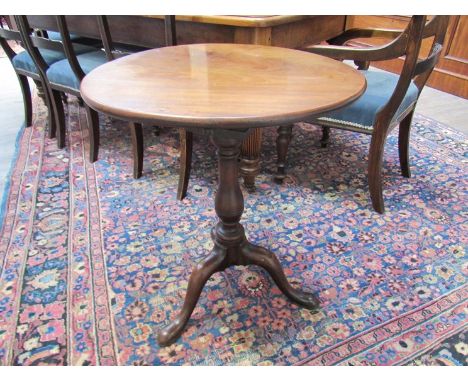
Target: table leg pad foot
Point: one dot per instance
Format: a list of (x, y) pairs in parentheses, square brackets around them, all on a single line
[(215, 262)]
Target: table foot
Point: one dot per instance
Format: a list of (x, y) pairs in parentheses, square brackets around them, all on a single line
[(255, 255), (215, 262)]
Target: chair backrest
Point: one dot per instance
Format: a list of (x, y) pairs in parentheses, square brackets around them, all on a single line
[(415, 69), (33, 43), (436, 28), (110, 47), (413, 35), (9, 35)]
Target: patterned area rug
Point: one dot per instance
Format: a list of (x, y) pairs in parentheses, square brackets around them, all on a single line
[(94, 262), (453, 351)]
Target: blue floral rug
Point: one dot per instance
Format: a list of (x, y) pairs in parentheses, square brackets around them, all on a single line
[(93, 263)]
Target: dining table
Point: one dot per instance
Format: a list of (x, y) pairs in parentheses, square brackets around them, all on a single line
[(227, 90)]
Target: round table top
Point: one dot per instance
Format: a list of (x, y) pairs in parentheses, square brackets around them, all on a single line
[(221, 85)]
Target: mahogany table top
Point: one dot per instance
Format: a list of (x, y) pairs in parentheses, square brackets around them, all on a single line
[(221, 86)]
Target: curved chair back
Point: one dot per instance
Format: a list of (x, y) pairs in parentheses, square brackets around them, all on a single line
[(34, 43), (414, 69), (436, 28), (413, 34)]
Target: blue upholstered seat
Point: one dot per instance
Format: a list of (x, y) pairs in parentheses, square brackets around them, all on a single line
[(57, 36), (96, 43), (24, 61), (61, 72), (361, 113)]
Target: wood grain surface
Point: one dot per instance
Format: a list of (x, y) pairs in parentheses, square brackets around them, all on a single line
[(220, 85)]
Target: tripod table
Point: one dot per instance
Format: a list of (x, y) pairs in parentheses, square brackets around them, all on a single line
[(228, 89)]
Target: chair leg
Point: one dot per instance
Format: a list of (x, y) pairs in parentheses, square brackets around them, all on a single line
[(64, 97), (282, 145), (374, 173), (186, 144), (51, 115), (41, 90), (403, 144), (157, 130), (26, 91), (137, 144), (325, 136), (59, 114), (93, 127)]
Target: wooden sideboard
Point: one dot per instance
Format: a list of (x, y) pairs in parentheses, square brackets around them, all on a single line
[(450, 74)]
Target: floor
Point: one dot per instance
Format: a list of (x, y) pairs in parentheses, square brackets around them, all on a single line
[(446, 108), (12, 116)]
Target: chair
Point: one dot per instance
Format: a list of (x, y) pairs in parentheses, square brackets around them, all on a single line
[(53, 35), (11, 35), (24, 67), (389, 99), (185, 136), (64, 75), (115, 50)]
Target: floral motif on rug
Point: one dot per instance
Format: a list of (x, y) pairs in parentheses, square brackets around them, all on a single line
[(94, 262)]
